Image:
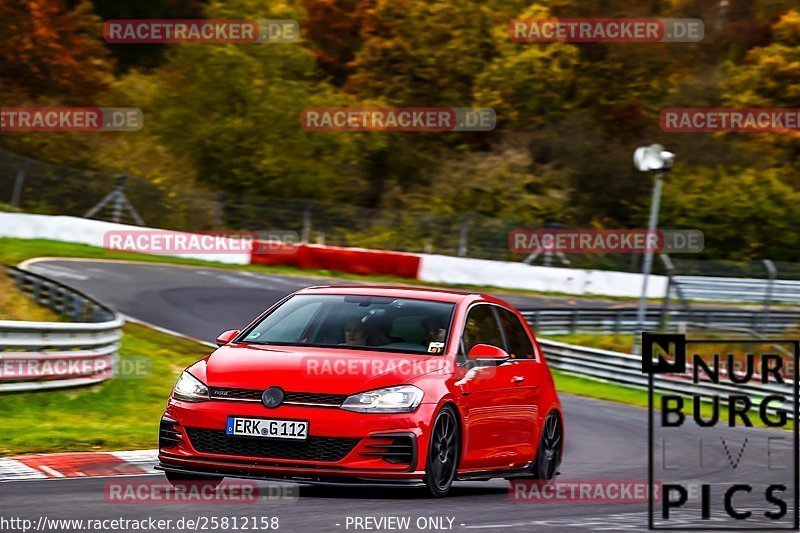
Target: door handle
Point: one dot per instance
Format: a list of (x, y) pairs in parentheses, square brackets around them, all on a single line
[(517, 379)]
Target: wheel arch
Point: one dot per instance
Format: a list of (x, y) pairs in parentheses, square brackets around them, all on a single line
[(462, 434), (555, 408)]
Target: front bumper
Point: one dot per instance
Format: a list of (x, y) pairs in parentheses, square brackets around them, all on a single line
[(379, 447)]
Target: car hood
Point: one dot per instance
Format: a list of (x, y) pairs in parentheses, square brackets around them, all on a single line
[(320, 370)]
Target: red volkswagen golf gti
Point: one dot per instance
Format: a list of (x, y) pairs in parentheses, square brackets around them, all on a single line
[(368, 385)]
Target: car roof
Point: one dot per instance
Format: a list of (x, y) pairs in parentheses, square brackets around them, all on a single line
[(396, 291)]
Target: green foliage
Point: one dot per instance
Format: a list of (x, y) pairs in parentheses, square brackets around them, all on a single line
[(233, 113), (53, 48), (746, 214), (529, 86), (769, 77), (421, 53)]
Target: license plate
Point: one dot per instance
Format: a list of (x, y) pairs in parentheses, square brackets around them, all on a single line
[(263, 427)]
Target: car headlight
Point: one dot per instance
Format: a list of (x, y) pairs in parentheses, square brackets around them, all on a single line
[(402, 399), (190, 389)]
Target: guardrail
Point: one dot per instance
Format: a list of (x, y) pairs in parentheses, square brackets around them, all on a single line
[(626, 369), (716, 289), (48, 355), (623, 320)]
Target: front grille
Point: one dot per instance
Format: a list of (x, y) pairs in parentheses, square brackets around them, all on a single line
[(308, 397), (333, 400), (312, 449)]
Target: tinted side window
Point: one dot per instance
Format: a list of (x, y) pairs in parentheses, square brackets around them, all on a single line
[(519, 345), (482, 328)]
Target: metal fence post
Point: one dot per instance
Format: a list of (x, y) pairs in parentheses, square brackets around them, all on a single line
[(463, 236), (665, 303), (772, 274), (219, 211), (116, 215), (306, 232), (77, 307), (36, 289), (22, 173)]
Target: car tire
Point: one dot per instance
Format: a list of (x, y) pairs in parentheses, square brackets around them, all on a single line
[(444, 451), (548, 454), (183, 481)]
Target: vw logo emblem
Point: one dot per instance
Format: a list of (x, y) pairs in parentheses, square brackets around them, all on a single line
[(272, 397)]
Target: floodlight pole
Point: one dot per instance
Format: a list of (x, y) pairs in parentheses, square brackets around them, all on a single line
[(655, 205)]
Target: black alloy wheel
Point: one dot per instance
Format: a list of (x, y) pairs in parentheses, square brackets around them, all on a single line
[(443, 453)]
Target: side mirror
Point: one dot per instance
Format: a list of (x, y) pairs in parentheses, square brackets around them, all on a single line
[(487, 354), (227, 336)]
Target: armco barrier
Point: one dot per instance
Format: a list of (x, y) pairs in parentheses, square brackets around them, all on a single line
[(716, 289), (626, 370), (49, 355), (624, 320)]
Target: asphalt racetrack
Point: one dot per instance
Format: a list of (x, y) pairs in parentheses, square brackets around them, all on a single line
[(604, 440)]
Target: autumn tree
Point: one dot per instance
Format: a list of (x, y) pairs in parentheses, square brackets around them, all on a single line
[(52, 49), (232, 113), (769, 77), (333, 29), (421, 53)]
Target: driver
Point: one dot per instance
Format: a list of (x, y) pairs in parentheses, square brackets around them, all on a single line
[(357, 333)]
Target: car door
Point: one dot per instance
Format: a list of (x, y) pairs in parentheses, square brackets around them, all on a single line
[(492, 400), (526, 376)]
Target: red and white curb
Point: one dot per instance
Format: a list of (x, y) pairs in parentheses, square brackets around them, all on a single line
[(84, 464)]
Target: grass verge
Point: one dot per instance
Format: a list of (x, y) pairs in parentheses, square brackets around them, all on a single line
[(116, 415), (602, 341), (601, 390), (123, 413), (16, 306)]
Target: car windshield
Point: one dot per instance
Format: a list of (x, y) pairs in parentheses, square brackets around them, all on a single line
[(348, 321)]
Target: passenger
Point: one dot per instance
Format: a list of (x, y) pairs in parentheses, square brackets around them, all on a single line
[(434, 330)]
